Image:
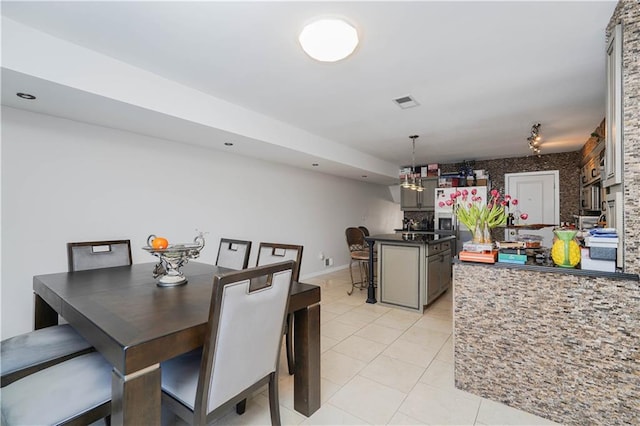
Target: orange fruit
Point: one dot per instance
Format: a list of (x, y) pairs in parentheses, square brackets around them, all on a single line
[(160, 243)]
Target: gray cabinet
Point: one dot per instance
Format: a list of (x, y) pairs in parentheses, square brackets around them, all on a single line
[(438, 270), (613, 118), (433, 277), (400, 274), (412, 274), (411, 200)]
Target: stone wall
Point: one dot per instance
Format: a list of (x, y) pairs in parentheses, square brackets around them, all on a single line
[(591, 143), (628, 13), (564, 347), (567, 163)]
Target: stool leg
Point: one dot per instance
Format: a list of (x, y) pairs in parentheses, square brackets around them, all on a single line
[(361, 283), (351, 273)]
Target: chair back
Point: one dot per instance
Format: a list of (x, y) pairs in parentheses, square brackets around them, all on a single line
[(244, 333), (233, 254), (355, 239), (98, 254), (364, 230), (269, 253)]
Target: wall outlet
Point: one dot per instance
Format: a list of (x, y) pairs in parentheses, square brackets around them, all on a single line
[(328, 261)]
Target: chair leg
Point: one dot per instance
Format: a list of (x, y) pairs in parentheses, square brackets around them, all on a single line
[(351, 273), (274, 403), (365, 268), (241, 407), (289, 342)]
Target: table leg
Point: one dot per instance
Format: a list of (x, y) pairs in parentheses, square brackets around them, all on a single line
[(136, 397), (306, 341), (44, 315)]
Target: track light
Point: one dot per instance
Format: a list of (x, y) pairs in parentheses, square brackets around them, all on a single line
[(535, 138)]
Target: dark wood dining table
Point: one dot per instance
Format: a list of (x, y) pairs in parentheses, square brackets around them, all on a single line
[(136, 325)]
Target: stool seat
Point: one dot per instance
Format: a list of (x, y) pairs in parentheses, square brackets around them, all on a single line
[(360, 255)]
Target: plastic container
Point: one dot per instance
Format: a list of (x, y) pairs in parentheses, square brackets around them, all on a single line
[(530, 241)]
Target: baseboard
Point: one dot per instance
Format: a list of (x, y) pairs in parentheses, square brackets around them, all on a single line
[(324, 271)]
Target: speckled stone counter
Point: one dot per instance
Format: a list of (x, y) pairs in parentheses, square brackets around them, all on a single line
[(564, 346)]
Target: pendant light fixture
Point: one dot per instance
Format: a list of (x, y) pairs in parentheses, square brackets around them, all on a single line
[(415, 184)]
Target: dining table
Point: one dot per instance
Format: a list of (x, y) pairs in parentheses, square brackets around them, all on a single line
[(136, 324)]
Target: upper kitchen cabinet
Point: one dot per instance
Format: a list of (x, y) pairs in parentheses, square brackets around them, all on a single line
[(411, 200), (613, 135)]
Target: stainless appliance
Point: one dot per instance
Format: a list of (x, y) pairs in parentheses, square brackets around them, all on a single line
[(590, 197), (586, 222), (445, 220)]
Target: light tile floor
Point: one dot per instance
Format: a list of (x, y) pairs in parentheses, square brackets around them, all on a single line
[(381, 365)]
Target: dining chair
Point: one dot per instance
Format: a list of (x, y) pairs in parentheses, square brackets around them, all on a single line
[(233, 254), (359, 253), (33, 351), (74, 392), (241, 347), (274, 252), (98, 254)]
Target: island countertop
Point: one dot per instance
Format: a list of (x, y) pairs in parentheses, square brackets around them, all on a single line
[(415, 238)]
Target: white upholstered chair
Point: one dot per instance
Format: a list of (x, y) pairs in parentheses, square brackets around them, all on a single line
[(233, 254), (74, 392), (274, 252), (241, 347), (30, 352)]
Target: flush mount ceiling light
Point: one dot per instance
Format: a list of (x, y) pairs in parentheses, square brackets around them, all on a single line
[(328, 40), (535, 138)]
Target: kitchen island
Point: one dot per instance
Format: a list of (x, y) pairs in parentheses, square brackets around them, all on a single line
[(560, 343), (413, 268)]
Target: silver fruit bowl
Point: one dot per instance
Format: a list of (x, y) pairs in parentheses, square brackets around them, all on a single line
[(172, 259)]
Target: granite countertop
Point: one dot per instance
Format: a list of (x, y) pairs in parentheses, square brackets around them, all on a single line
[(553, 270), (418, 237)]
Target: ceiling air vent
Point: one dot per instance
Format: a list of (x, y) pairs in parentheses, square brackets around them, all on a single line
[(405, 102)]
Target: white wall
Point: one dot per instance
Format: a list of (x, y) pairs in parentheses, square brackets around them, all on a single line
[(68, 181)]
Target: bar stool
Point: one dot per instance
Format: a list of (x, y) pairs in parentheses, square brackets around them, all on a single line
[(359, 252)]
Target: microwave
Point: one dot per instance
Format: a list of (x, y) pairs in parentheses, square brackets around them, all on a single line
[(590, 198), (586, 222)]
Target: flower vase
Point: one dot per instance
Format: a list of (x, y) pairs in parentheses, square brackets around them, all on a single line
[(478, 233), (486, 233), (565, 251)]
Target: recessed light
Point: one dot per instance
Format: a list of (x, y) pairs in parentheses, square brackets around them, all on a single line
[(228, 143), (315, 164), (26, 96), (328, 40)]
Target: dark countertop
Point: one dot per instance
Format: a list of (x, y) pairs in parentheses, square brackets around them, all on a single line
[(422, 237), (554, 270)]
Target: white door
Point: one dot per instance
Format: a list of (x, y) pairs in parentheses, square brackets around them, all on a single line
[(539, 196)]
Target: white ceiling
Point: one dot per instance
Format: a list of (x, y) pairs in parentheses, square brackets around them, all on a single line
[(483, 73)]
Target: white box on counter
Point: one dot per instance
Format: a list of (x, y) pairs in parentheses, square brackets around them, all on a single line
[(595, 265), (601, 242)]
